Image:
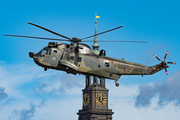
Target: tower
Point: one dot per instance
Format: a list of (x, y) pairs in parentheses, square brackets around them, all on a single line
[(95, 96), (95, 102)]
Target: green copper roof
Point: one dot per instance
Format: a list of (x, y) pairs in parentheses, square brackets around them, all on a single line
[(95, 45)]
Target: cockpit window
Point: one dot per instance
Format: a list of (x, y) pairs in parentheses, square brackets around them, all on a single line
[(39, 54), (106, 64), (47, 51)]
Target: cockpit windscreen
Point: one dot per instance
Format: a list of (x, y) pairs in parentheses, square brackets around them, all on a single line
[(46, 51)]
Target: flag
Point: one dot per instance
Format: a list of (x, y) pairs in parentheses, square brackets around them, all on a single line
[(97, 16)]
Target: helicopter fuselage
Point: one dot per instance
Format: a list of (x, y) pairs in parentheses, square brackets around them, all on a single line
[(79, 58)]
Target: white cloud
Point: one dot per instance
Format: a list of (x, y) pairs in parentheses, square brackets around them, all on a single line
[(25, 114), (126, 111), (167, 91), (65, 84), (19, 81)]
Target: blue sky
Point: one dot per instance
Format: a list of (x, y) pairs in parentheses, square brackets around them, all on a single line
[(28, 92)]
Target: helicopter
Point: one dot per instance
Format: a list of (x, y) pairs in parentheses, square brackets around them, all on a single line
[(78, 58)]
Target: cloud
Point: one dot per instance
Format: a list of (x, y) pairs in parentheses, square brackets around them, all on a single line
[(20, 80), (59, 84), (42, 103), (124, 110), (25, 114), (167, 91), (4, 99), (20, 74), (3, 95)]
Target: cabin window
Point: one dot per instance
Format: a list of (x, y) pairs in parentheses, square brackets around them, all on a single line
[(55, 51), (49, 51), (79, 59), (106, 64), (72, 58)]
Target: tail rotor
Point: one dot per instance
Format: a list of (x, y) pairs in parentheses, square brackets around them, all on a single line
[(163, 63)]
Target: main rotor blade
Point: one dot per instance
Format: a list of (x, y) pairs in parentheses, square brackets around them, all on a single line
[(103, 32), (166, 55), (36, 37), (117, 41), (49, 30)]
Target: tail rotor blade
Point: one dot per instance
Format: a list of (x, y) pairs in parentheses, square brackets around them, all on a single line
[(166, 55), (166, 71), (157, 57), (171, 62)]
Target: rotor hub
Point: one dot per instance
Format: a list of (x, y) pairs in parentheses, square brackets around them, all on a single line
[(75, 39)]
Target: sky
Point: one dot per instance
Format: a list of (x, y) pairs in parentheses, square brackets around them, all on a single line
[(27, 92)]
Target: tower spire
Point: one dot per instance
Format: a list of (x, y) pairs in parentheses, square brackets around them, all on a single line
[(96, 45)]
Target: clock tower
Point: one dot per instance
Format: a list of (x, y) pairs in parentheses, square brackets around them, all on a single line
[(95, 101)]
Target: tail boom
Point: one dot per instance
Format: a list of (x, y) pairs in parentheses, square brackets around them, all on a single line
[(156, 68)]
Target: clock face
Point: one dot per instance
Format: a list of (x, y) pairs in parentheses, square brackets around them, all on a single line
[(101, 99), (85, 99)]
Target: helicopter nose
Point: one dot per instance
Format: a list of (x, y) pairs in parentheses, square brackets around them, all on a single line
[(31, 54)]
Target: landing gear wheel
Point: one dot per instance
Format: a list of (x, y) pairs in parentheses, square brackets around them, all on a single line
[(117, 84), (45, 69)]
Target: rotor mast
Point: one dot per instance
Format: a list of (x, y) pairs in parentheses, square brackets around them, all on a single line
[(96, 45)]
